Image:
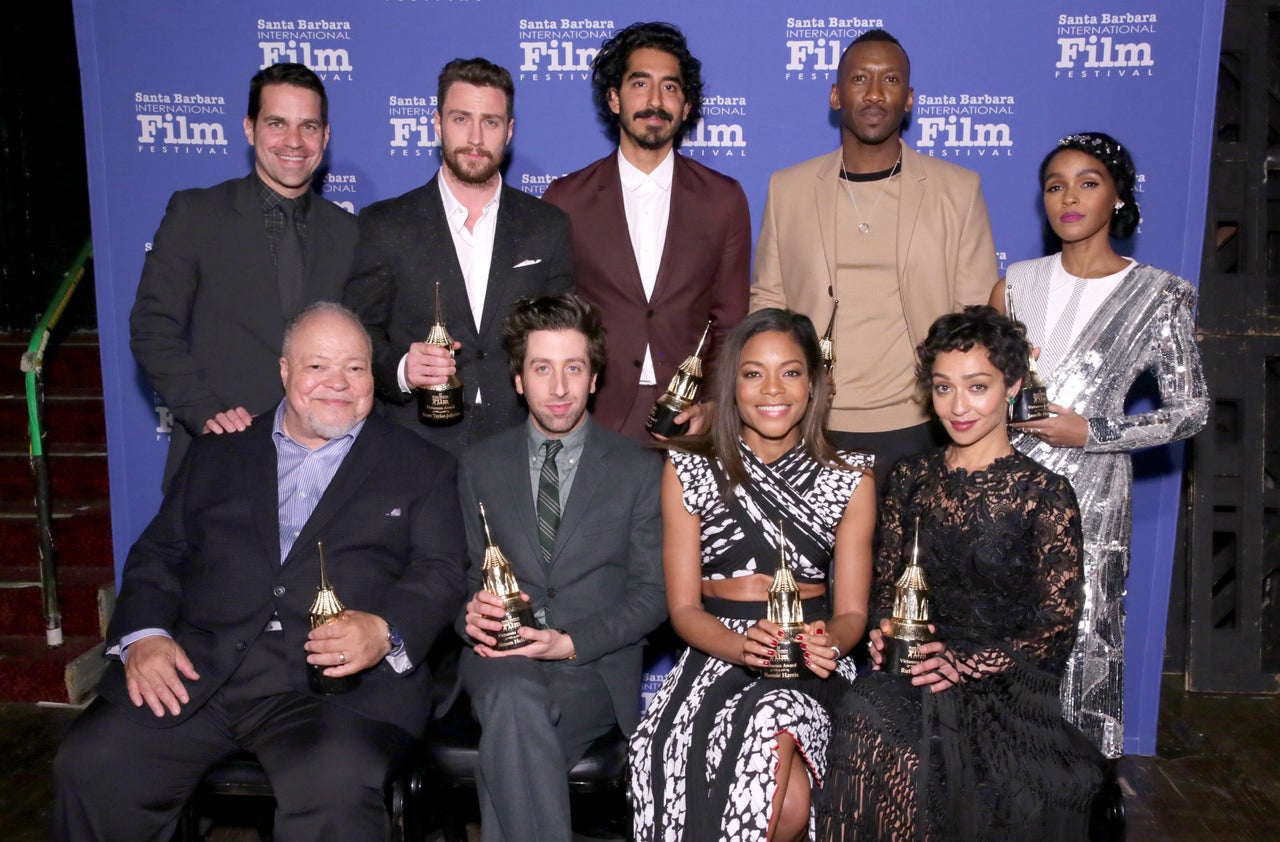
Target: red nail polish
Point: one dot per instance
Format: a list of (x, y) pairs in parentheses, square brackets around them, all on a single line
[(779, 632), (799, 637), (804, 646)]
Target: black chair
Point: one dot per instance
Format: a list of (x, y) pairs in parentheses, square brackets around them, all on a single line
[(446, 769), (242, 775)]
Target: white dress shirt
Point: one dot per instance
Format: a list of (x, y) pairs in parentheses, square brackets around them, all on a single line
[(474, 249), (646, 197)]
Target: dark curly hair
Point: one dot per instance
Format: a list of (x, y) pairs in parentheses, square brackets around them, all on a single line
[(1004, 339), (721, 439), (611, 63), (1107, 151), (566, 311)]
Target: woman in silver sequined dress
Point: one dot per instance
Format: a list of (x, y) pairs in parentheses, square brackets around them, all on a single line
[(1101, 320)]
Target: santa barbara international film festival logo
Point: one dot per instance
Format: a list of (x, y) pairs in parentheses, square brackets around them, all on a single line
[(814, 45), (964, 125), (341, 188), (1105, 45), (560, 49), (719, 133), (182, 122), (413, 129), (322, 45)]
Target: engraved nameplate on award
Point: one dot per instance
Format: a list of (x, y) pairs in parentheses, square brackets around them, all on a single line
[(440, 404), (910, 621), (326, 609), (497, 578), (784, 609), (679, 395)]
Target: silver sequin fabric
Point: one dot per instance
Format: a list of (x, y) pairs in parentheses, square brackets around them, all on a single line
[(1146, 324)]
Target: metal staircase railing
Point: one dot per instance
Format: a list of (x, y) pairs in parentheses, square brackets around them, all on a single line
[(33, 366)]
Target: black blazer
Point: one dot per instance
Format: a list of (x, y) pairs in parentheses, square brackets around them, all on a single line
[(207, 324), (208, 569), (604, 584), (405, 247)]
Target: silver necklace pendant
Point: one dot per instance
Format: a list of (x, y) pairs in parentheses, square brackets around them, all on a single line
[(864, 227)]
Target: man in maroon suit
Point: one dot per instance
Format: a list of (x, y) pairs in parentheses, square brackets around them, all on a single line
[(661, 244)]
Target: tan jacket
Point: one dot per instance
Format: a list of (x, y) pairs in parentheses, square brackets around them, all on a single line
[(946, 255)]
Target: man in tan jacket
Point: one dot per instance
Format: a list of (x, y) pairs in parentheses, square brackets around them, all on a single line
[(898, 238)]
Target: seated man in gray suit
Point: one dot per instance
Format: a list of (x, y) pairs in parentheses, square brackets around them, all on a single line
[(213, 612), (575, 509)]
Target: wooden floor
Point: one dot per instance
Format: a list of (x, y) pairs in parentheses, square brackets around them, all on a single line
[(1214, 777)]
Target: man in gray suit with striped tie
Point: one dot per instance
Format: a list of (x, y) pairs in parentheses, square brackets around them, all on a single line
[(575, 509)]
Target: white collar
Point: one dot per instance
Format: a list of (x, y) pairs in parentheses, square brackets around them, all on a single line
[(452, 207), (633, 179)]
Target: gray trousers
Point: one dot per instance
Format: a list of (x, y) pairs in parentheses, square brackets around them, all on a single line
[(537, 719)]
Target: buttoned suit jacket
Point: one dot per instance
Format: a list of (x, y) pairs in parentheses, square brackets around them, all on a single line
[(604, 584), (704, 273), (207, 569), (946, 256), (405, 248), (207, 323)]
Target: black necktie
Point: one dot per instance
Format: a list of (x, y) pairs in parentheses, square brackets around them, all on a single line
[(549, 499), (289, 262)]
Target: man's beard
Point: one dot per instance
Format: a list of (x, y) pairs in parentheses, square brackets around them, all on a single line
[(653, 137), (453, 160)]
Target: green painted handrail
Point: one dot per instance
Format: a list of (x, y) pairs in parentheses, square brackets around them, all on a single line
[(33, 366)]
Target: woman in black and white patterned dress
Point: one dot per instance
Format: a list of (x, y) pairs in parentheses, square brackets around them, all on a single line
[(721, 752)]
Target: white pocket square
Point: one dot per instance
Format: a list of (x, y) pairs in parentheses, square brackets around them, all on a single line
[(394, 512), (523, 263)]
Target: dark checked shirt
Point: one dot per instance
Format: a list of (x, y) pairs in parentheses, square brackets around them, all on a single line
[(269, 200)]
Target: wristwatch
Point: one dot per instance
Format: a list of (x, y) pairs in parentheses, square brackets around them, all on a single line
[(395, 639)]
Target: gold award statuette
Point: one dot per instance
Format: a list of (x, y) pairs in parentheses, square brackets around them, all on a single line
[(910, 621), (784, 609), (679, 395), (497, 579), (326, 609), (442, 404), (1032, 401), (827, 344)]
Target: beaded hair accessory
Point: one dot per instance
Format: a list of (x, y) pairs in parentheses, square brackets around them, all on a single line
[(1099, 144)]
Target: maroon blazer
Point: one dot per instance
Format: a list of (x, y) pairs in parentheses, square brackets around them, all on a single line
[(705, 272)]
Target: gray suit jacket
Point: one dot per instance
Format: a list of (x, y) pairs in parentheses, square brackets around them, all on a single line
[(405, 247), (206, 326), (604, 584)]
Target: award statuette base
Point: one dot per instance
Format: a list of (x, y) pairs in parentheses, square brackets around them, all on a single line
[(518, 614), (662, 418), (1030, 404), (902, 648), (788, 658), (440, 404), (327, 686)]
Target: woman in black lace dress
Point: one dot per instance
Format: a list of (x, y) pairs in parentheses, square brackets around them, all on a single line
[(973, 745)]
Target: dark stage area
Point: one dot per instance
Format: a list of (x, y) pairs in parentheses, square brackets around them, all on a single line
[(1213, 776)]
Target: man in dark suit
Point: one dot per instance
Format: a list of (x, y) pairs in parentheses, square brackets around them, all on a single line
[(232, 264), (486, 244), (661, 244), (213, 610), (575, 508)]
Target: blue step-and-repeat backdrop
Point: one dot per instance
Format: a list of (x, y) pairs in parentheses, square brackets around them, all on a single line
[(996, 84)]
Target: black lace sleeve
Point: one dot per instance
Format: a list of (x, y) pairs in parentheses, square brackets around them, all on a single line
[(889, 538)]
